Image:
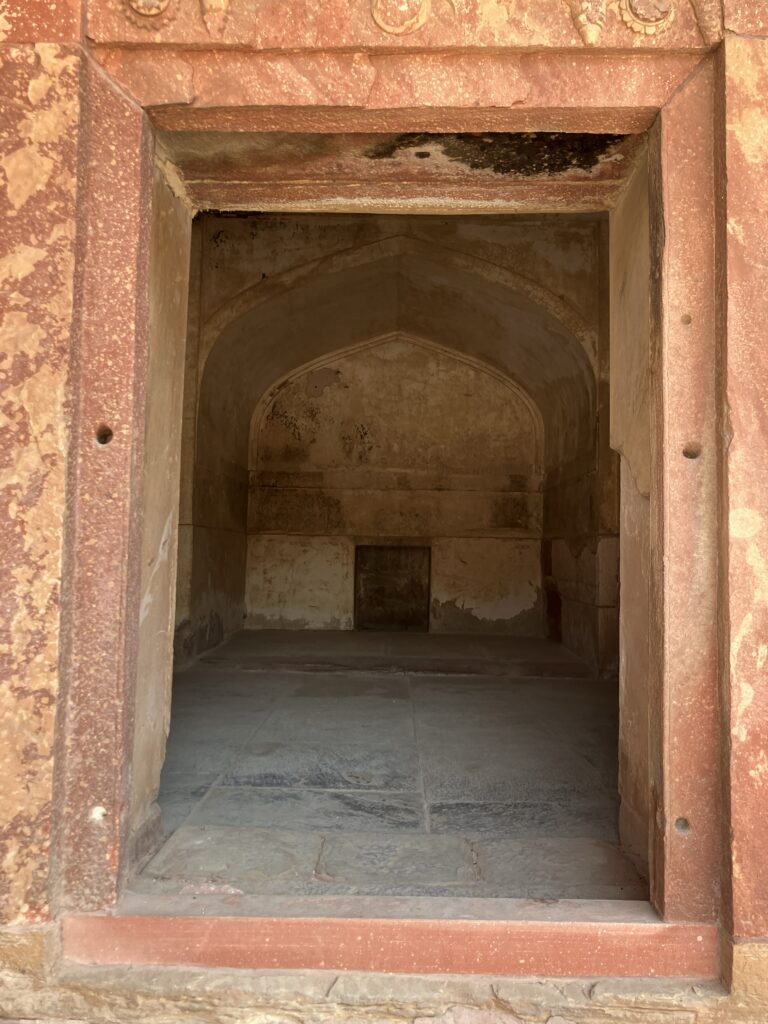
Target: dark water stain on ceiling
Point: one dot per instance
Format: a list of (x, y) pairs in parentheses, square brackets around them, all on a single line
[(526, 153)]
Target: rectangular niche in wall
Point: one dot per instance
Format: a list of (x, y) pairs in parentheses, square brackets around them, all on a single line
[(392, 587)]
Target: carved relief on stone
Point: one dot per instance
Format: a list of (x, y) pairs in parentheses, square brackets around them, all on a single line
[(151, 14), (648, 17), (215, 15), (589, 18), (402, 17)]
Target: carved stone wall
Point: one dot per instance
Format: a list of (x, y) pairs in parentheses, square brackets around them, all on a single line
[(627, 24), (355, 66)]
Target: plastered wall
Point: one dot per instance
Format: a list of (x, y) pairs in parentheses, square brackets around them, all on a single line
[(364, 377), (300, 582), (398, 439)]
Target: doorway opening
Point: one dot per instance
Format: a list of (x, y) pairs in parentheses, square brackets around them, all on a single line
[(392, 587), (397, 602)]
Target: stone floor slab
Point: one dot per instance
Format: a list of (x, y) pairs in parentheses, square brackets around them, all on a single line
[(310, 810), (236, 855), (397, 861), (543, 862), (318, 766), (367, 721), (590, 819), (499, 771), (461, 784)]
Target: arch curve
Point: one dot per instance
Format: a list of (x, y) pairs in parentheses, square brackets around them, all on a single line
[(268, 398), (310, 494), (388, 288), (266, 290)]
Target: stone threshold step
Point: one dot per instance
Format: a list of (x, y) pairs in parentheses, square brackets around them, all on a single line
[(559, 938), (429, 666)]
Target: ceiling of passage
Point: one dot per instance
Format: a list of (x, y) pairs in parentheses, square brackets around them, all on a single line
[(284, 170), (421, 294)]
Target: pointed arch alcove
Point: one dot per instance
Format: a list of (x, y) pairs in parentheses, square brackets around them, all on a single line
[(403, 442), (453, 306)]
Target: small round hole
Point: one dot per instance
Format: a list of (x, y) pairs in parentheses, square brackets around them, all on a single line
[(686, 319), (692, 451), (683, 825), (104, 434)]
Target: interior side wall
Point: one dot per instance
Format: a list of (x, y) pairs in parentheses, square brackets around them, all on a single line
[(214, 495), (581, 545), (570, 555), (183, 637), (608, 483), (630, 436), (169, 280)]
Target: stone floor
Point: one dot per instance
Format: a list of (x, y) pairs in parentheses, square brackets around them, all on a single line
[(291, 771)]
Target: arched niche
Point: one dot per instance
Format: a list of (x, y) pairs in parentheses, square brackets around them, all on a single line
[(523, 422), (402, 442), (416, 293), (467, 306)]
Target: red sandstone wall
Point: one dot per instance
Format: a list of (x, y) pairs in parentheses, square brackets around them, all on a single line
[(38, 195), (40, 73)]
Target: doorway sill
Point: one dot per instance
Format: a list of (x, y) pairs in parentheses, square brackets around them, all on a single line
[(557, 938)]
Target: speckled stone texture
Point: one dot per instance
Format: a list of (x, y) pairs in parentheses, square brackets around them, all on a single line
[(689, 700), (38, 147), (404, 25), (746, 493), (102, 574), (548, 91), (75, 153)]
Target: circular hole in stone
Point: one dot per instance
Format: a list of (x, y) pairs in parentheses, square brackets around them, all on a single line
[(104, 434), (683, 825), (686, 319), (692, 451)]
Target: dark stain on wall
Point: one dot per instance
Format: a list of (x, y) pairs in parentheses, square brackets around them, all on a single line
[(357, 443), (302, 509), (316, 382), (392, 587), (515, 512), (524, 153), (193, 638), (286, 420)]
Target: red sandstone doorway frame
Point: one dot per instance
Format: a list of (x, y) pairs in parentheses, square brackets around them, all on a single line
[(578, 92)]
